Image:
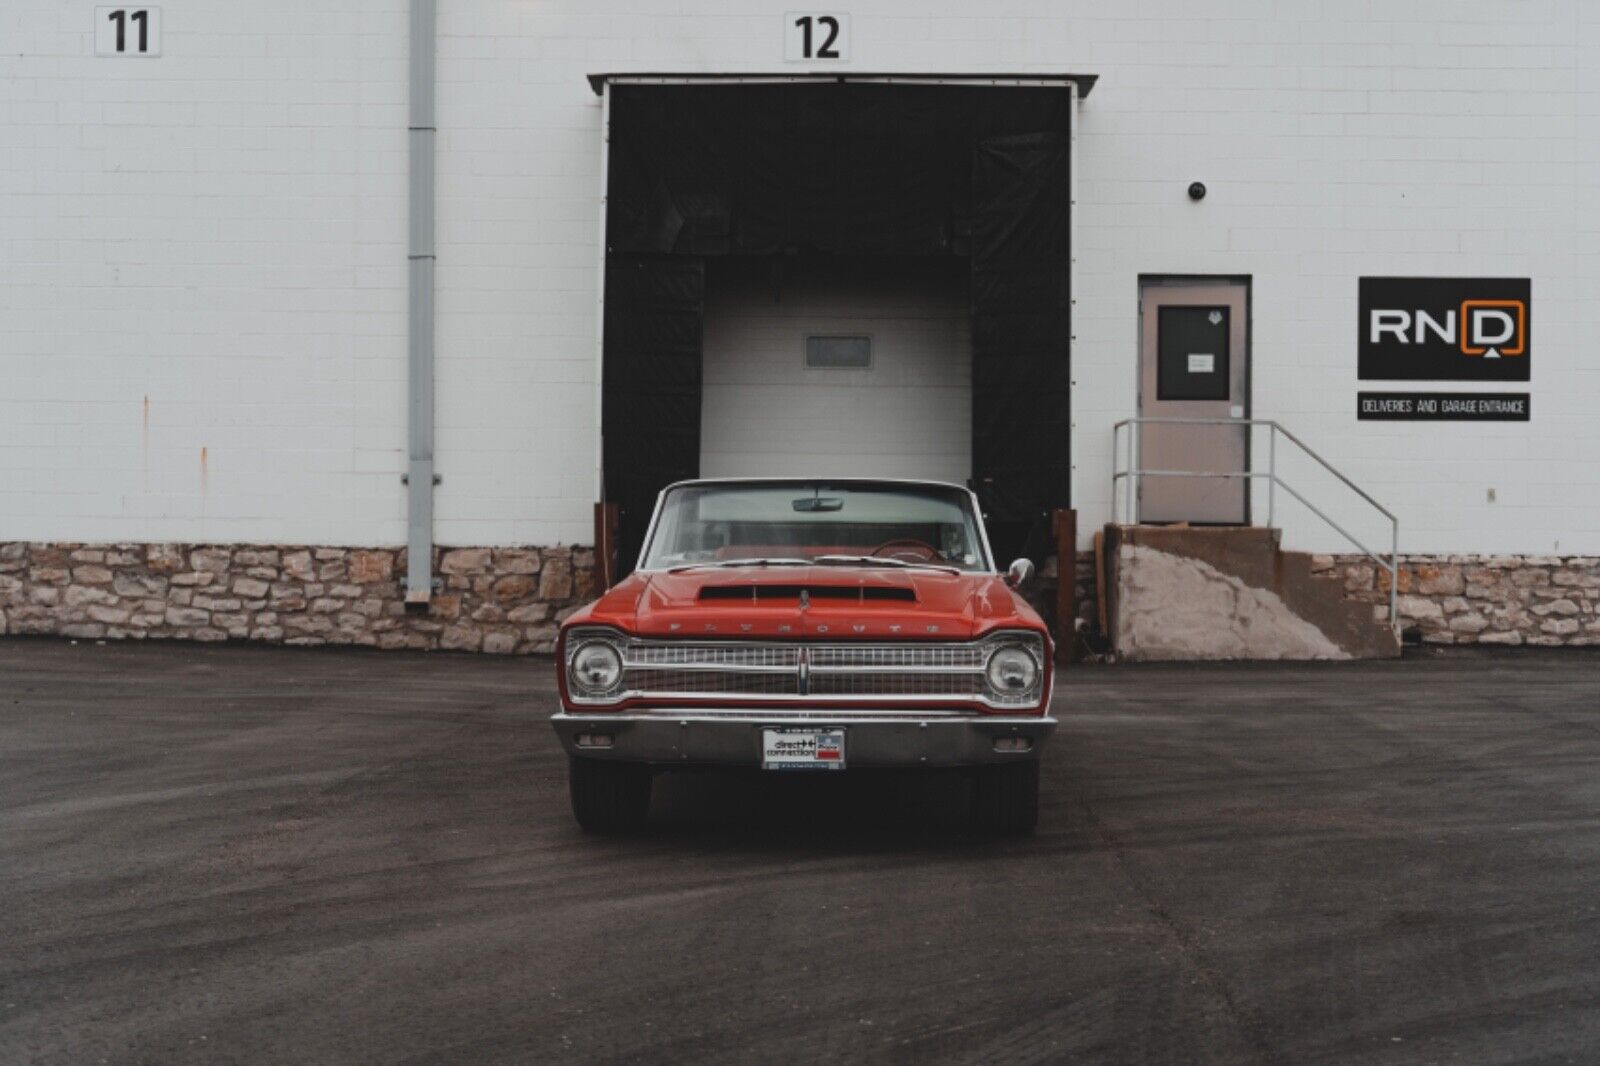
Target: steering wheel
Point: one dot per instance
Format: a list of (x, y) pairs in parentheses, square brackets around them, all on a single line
[(921, 546)]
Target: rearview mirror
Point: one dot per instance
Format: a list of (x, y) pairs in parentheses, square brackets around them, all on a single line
[(810, 504), (1019, 573)]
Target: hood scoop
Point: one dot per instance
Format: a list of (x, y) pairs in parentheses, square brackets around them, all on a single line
[(827, 593)]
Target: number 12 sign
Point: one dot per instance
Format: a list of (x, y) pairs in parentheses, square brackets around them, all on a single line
[(816, 36), (127, 31)]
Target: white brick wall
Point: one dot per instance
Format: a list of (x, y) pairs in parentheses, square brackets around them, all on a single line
[(202, 274), (908, 415), (220, 231)]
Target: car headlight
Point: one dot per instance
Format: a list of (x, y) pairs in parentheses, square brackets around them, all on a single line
[(594, 667), (1012, 670)]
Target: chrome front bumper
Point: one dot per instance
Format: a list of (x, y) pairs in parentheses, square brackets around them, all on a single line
[(689, 737)]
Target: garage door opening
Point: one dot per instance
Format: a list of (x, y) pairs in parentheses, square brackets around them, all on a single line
[(830, 366), (766, 238)]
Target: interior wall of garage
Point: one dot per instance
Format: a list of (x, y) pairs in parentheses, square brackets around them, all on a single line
[(909, 414), (202, 313)]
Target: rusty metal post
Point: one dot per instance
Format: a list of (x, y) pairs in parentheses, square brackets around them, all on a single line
[(1064, 523), (605, 545)]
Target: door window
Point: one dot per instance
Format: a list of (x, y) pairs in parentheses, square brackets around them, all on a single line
[(1192, 353)]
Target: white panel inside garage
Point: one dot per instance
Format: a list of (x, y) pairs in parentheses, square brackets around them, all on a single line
[(909, 414)]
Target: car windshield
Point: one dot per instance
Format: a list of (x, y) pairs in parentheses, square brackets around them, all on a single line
[(831, 523)]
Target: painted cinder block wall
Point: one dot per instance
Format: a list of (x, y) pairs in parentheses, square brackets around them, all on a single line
[(202, 256)]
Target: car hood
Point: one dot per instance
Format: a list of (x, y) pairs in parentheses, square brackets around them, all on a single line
[(826, 602)]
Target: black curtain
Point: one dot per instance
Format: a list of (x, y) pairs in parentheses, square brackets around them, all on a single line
[(1021, 322), (846, 169), (650, 421)]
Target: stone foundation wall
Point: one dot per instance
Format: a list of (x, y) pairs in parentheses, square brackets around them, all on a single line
[(1088, 582), (509, 600), (1482, 599), (1044, 598), (501, 600)]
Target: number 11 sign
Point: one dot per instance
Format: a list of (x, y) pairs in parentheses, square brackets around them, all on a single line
[(127, 31)]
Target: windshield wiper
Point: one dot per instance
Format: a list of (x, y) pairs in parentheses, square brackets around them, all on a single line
[(880, 560), (725, 563)]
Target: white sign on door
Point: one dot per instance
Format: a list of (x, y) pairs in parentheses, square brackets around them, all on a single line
[(127, 31), (816, 36)]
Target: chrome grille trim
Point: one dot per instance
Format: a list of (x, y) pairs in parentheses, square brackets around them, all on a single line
[(966, 656), (636, 664), (934, 670), (828, 673), (789, 714), (711, 655)]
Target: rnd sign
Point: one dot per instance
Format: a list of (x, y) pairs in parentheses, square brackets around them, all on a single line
[(1445, 329)]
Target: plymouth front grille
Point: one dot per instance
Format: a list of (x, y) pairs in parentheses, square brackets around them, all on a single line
[(898, 657), (729, 656), (837, 673), (878, 683), (709, 683)]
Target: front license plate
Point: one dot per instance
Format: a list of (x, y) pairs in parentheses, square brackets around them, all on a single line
[(802, 749)]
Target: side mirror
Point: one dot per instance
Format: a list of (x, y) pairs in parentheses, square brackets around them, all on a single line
[(1019, 573)]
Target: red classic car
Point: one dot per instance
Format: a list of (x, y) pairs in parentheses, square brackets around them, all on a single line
[(799, 624)]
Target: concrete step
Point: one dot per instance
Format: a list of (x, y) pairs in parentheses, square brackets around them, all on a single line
[(1231, 592)]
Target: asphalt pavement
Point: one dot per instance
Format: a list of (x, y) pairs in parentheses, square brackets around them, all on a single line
[(236, 854)]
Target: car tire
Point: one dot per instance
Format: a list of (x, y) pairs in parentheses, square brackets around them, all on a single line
[(609, 797), (1005, 799)]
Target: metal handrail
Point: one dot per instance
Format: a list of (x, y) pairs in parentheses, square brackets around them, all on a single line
[(1134, 473)]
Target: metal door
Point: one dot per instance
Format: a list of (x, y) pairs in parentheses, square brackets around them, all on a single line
[(1194, 362)]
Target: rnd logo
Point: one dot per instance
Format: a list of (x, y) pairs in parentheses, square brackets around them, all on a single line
[(1445, 329), (1490, 325)]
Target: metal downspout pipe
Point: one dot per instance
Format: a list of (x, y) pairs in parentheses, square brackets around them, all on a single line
[(420, 478)]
